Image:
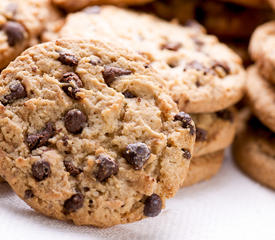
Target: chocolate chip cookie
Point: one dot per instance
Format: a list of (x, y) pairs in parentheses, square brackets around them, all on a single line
[(254, 152), (89, 135), (214, 131), (72, 5), (261, 97), (202, 74), (20, 22), (204, 167), (261, 45)]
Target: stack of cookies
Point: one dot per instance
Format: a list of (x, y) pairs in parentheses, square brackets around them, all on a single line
[(99, 124), (254, 147), (203, 76)]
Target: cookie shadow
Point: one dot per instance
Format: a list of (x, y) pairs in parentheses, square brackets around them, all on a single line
[(5, 190)]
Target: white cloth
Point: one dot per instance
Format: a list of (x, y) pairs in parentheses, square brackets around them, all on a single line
[(229, 206)]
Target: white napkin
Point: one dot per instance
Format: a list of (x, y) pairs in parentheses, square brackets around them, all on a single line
[(229, 206)]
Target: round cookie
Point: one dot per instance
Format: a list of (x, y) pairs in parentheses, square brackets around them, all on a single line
[(231, 21), (214, 131), (254, 152), (89, 135), (261, 97), (202, 74), (261, 45), (203, 168), (20, 22), (72, 5)]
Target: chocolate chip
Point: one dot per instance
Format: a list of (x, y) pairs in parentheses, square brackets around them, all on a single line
[(225, 115), (73, 82), (41, 170), (74, 203), (86, 189), (129, 94), (172, 46), (75, 121), (14, 31), (68, 59), (71, 168), (106, 168), (41, 138), (65, 141), (198, 67), (222, 66), (186, 154), (137, 154), (28, 194), (92, 10), (186, 120), (111, 73), (201, 135), (152, 206), (17, 91)]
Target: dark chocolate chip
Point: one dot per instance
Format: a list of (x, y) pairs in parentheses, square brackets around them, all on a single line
[(198, 67), (92, 10), (137, 154), (223, 66), (111, 73), (17, 91), (129, 94), (28, 194), (86, 189), (71, 168), (41, 138), (75, 121), (41, 170), (106, 167), (152, 206), (73, 83), (65, 141), (201, 135), (186, 154), (14, 31), (186, 120), (172, 46), (74, 203), (225, 115), (68, 59)]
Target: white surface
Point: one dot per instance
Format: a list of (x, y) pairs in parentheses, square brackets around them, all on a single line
[(230, 206)]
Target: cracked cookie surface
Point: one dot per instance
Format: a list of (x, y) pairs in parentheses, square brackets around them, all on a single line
[(202, 74), (88, 135)]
